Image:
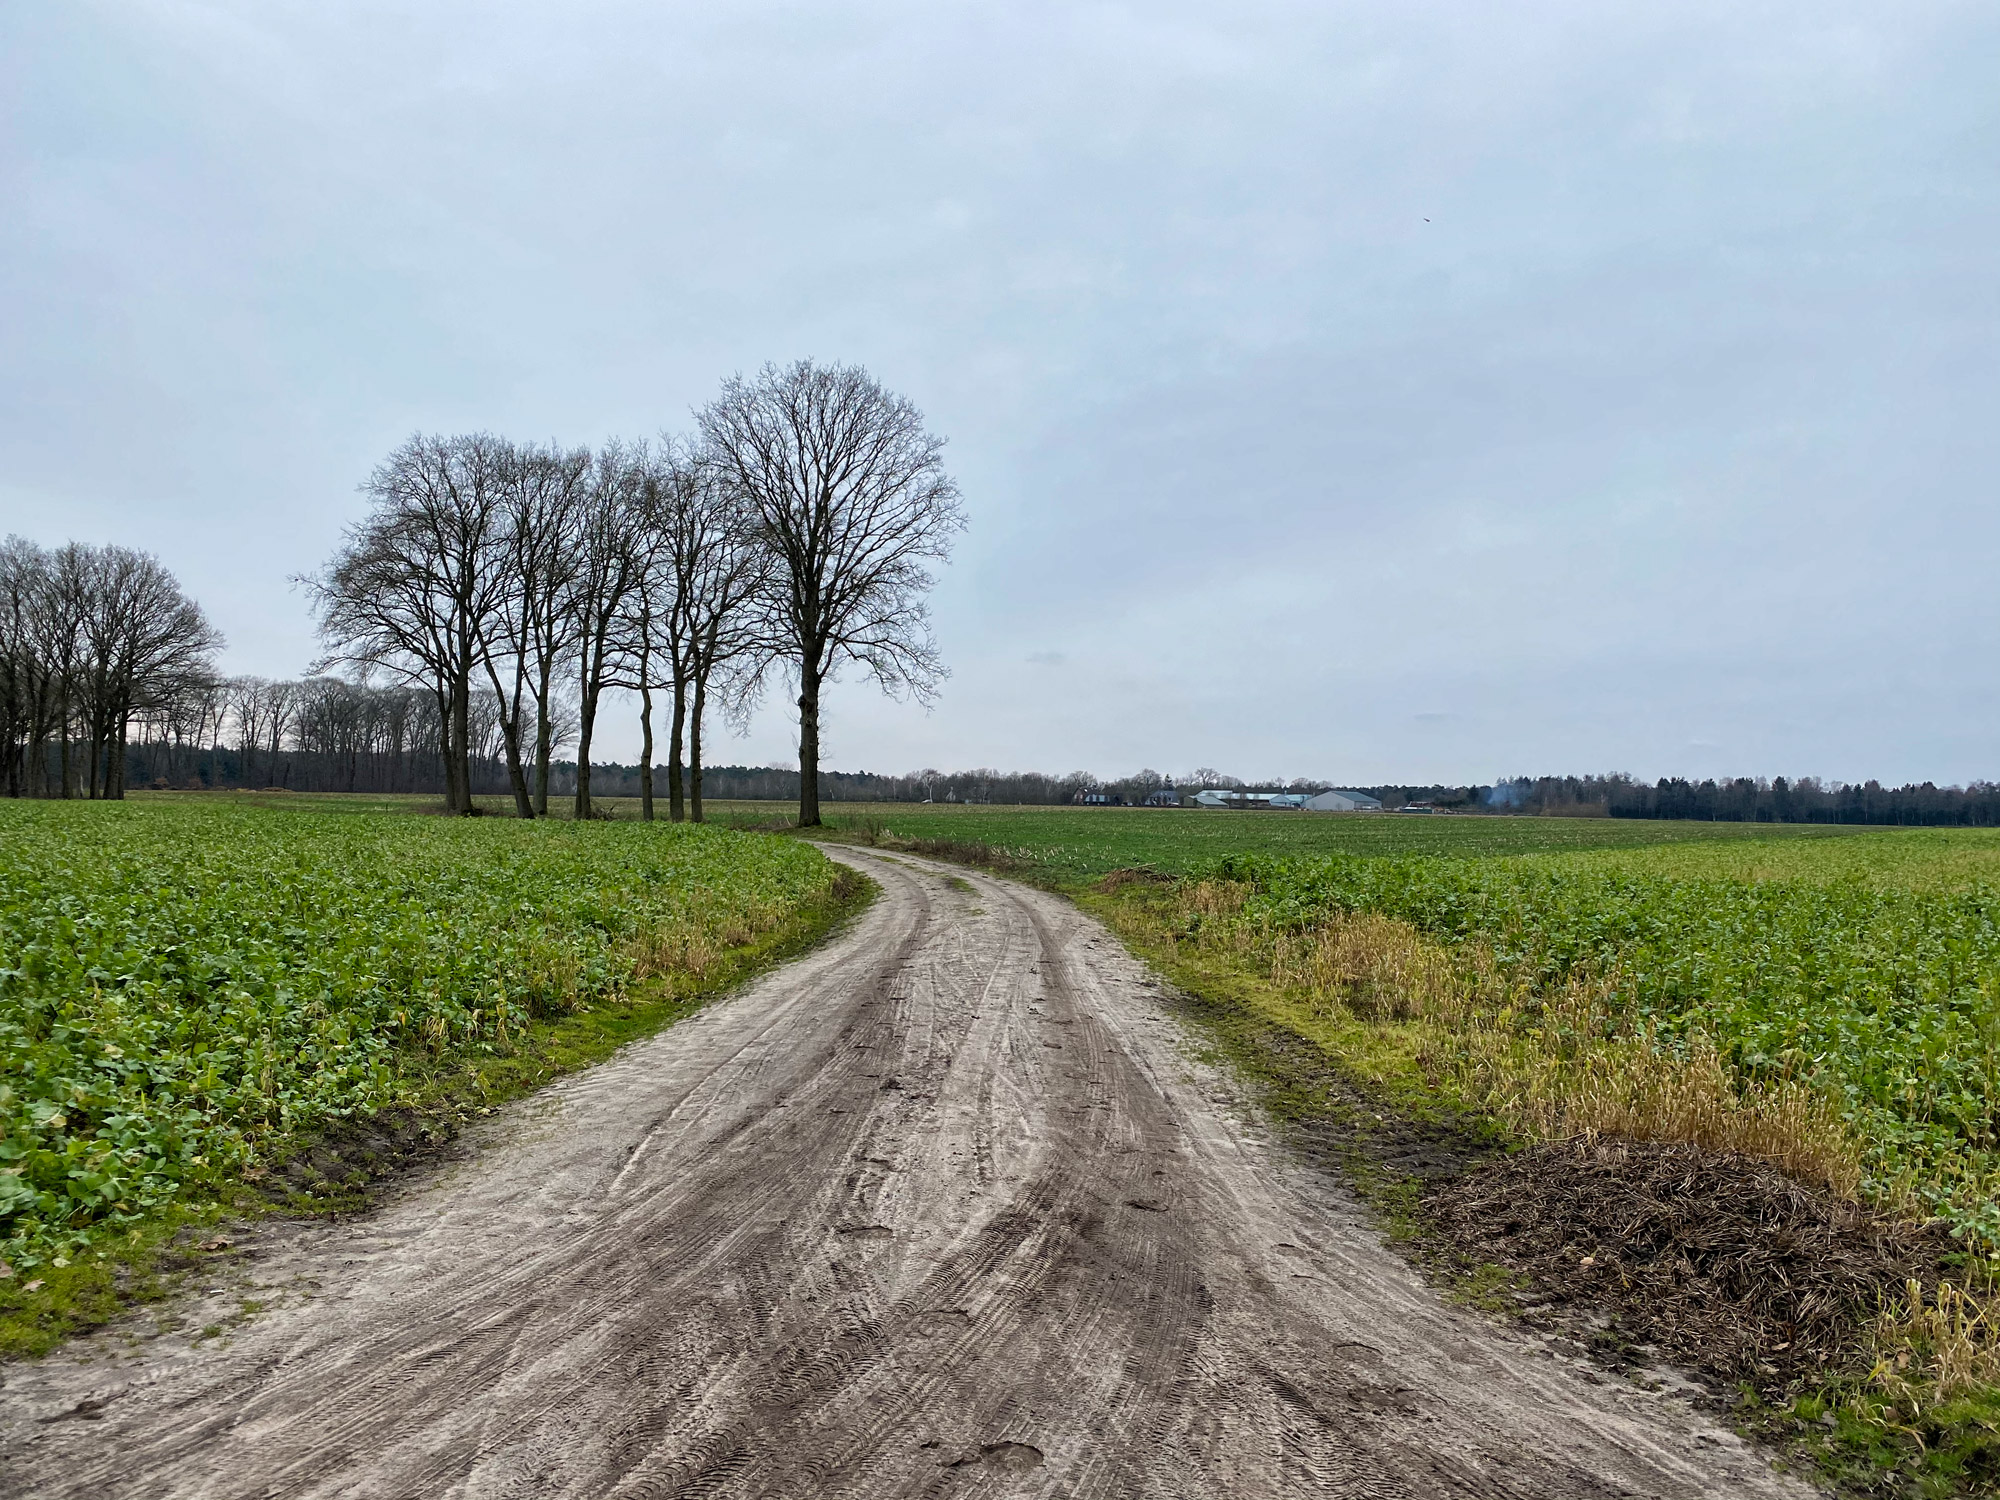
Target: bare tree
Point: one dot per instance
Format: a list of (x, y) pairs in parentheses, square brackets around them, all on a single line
[(546, 506), (412, 586), (262, 712), (58, 628), (646, 624), (27, 688), (850, 494), (246, 708), (279, 704), (609, 558), (695, 620), (145, 644), (94, 642), (725, 617), (529, 630), (167, 729)]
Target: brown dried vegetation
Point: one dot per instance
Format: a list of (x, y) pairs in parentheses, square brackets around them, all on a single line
[(1727, 1264), (1551, 1066)]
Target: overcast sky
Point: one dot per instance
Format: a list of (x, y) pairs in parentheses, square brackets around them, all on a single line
[(1366, 391)]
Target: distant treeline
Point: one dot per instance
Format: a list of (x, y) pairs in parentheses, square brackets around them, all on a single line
[(1745, 799), (328, 735), (1022, 788)]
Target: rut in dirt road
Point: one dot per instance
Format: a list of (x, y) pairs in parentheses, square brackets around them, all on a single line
[(941, 1209)]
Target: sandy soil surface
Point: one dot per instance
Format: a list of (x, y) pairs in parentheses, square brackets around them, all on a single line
[(944, 1208)]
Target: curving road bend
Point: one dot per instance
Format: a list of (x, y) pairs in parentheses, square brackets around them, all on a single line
[(942, 1209)]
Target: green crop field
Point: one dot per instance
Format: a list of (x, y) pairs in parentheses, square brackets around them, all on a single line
[(184, 987), (1072, 843), (1872, 979)]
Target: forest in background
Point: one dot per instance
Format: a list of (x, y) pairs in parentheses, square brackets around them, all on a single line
[(329, 735)]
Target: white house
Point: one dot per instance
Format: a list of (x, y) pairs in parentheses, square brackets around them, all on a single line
[(1343, 802)]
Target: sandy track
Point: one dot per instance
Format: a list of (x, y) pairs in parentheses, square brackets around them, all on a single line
[(941, 1209)]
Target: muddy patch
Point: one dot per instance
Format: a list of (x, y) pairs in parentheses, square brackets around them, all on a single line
[(1008, 1458), (1329, 1116), (1632, 1254), (346, 1156)]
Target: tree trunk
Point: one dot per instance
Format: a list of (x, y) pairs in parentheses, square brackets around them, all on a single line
[(114, 774), (544, 731), (65, 759), (676, 803), (694, 748), (510, 736), (809, 683), (445, 717), (645, 747), (461, 729), (586, 720)]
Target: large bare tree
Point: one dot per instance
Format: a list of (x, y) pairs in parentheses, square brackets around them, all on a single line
[(413, 585), (725, 618), (145, 643), (530, 630), (609, 563), (649, 654), (699, 616), (850, 493)]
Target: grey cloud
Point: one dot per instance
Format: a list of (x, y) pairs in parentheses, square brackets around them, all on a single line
[(1677, 411)]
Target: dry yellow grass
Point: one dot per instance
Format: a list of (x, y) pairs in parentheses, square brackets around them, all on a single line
[(1938, 1346), (691, 947), (1553, 1065)]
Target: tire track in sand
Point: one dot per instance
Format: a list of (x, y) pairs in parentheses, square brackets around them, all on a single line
[(942, 1209)]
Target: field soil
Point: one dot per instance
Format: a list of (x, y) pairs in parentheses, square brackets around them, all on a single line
[(943, 1208)]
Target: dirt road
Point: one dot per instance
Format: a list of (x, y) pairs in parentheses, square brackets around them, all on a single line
[(943, 1209)]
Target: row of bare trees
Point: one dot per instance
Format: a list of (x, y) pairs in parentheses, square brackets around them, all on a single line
[(94, 641), (320, 734), (792, 531)]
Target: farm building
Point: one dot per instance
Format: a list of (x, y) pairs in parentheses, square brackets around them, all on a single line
[(1228, 797), (1339, 801)]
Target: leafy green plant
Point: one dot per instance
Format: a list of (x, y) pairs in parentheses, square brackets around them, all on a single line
[(184, 988), (1884, 1000)]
